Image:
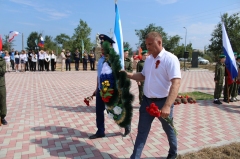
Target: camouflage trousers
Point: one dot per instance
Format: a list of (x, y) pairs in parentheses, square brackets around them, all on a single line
[(233, 90), (218, 90), (140, 89), (3, 106)]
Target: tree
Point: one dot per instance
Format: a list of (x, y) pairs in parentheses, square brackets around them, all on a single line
[(49, 43), (82, 32), (31, 45), (142, 33), (5, 44), (232, 25), (63, 40), (170, 43)]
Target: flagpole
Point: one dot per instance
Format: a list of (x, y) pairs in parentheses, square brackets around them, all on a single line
[(22, 42)]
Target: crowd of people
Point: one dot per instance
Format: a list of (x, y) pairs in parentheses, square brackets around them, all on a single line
[(231, 89), (29, 61), (45, 60)]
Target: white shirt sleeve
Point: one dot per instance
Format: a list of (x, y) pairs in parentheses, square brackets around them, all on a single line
[(173, 69)]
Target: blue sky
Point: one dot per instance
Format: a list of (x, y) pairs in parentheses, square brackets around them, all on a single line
[(53, 17)]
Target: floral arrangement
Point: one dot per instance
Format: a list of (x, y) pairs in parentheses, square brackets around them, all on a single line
[(157, 63), (88, 99), (154, 111), (184, 99), (115, 88)]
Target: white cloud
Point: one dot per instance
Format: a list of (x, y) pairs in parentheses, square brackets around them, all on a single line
[(200, 29), (166, 1), (52, 13), (24, 2)]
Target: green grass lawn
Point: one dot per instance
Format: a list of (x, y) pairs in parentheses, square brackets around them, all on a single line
[(198, 95)]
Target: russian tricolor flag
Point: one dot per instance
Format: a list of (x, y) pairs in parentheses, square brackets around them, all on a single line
[(231, 66), (41, 42), (118, 38), (11, 35)]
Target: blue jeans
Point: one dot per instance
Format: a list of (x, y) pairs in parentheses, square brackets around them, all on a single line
[(144, 126), (100, 107)]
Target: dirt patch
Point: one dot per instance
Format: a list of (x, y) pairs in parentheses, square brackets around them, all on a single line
[(231, 151)]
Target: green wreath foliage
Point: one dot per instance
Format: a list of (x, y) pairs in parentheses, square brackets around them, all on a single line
[(121, 96)]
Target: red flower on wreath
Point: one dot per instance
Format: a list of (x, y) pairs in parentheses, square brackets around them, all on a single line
[(157, 63), (154, 111)]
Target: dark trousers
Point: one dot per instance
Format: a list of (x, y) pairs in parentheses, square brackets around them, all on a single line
[(52, 65), (26, 66), (47, 66), (68, 64), (100, 107), (92, 64), (3, 104), (41, 63), (77, 64), (218, 90), (84, 64), (144, 126), (30, 64), (12, 64), (140, 90), (34, 66)]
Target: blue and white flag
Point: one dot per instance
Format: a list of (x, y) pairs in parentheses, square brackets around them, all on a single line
[(118, 38), (231, 66)]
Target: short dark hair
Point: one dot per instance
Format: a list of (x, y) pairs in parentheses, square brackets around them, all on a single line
[(154, 34)]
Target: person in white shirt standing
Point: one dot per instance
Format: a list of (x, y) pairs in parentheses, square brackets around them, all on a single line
[(47, 60), (16, 60), (23, 60), (63, 59), (41, 60), (34, 61), (7, 60), (53, 61), (162, 76)]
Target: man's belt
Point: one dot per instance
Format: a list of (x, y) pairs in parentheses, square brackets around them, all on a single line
[(156, 99)]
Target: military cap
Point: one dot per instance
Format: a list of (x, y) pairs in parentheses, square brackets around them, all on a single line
[(103, 38), (222, 56), (126, 49), (144, 52)]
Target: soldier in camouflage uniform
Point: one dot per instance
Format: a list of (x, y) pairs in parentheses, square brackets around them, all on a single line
[(127, 61), (3, 106), (231, 89), (219, 78), (140, 65)]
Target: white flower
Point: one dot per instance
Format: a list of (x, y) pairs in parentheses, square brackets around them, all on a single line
[(110, 115), (106, 69), (117, 110)]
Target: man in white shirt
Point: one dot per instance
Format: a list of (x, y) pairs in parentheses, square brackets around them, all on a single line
[(162, 76)]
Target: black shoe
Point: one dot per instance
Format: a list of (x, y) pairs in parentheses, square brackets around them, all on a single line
[(170, 156), (96, 136), (127, 131), (225, 100), (231, 100), (219, 102), (216, 102), (4, 122)]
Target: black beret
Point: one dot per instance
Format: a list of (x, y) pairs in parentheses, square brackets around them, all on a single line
[(103, 38)]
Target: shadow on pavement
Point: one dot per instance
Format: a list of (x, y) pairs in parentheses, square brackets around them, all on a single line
[(85, 109), (66, 142)]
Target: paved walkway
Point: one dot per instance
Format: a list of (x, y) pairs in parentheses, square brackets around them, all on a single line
[(48, 119)]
